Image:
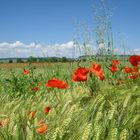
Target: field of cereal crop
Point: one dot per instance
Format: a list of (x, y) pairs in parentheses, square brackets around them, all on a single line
[(66, 101)]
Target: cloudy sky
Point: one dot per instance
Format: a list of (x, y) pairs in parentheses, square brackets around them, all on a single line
[(20, 49), (47, 27)]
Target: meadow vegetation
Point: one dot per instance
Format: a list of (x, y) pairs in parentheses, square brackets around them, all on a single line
[(69, 101)]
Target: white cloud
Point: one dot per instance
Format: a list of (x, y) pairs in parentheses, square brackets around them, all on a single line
[(19, 49), (68, 49), (136, 51), (120, 51)]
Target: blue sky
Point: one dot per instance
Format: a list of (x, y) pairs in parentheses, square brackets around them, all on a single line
[(53, 21)]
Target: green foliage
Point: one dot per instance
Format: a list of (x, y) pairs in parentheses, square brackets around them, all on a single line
[(110, 113)]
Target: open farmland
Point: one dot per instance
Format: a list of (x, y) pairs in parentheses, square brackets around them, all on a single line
[(70, 101), (23, 65)]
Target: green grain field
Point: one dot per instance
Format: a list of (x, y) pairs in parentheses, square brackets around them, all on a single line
[(91, 109)]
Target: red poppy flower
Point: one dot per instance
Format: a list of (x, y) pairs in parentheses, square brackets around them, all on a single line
[(113, 69), (35, 88), (4, 122), (81, 70), (25, 72), (134, 60), (47, 110), (115, 62), (42, 129), (127, 69), (133, 71), (133, 76), (96, 69), (56, 83), (79, 77), (80, 74), (32, 114)]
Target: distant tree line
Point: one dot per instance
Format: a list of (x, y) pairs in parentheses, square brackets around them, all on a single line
[(98, 57), (62, 59), (41, 59), (49, 59)]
